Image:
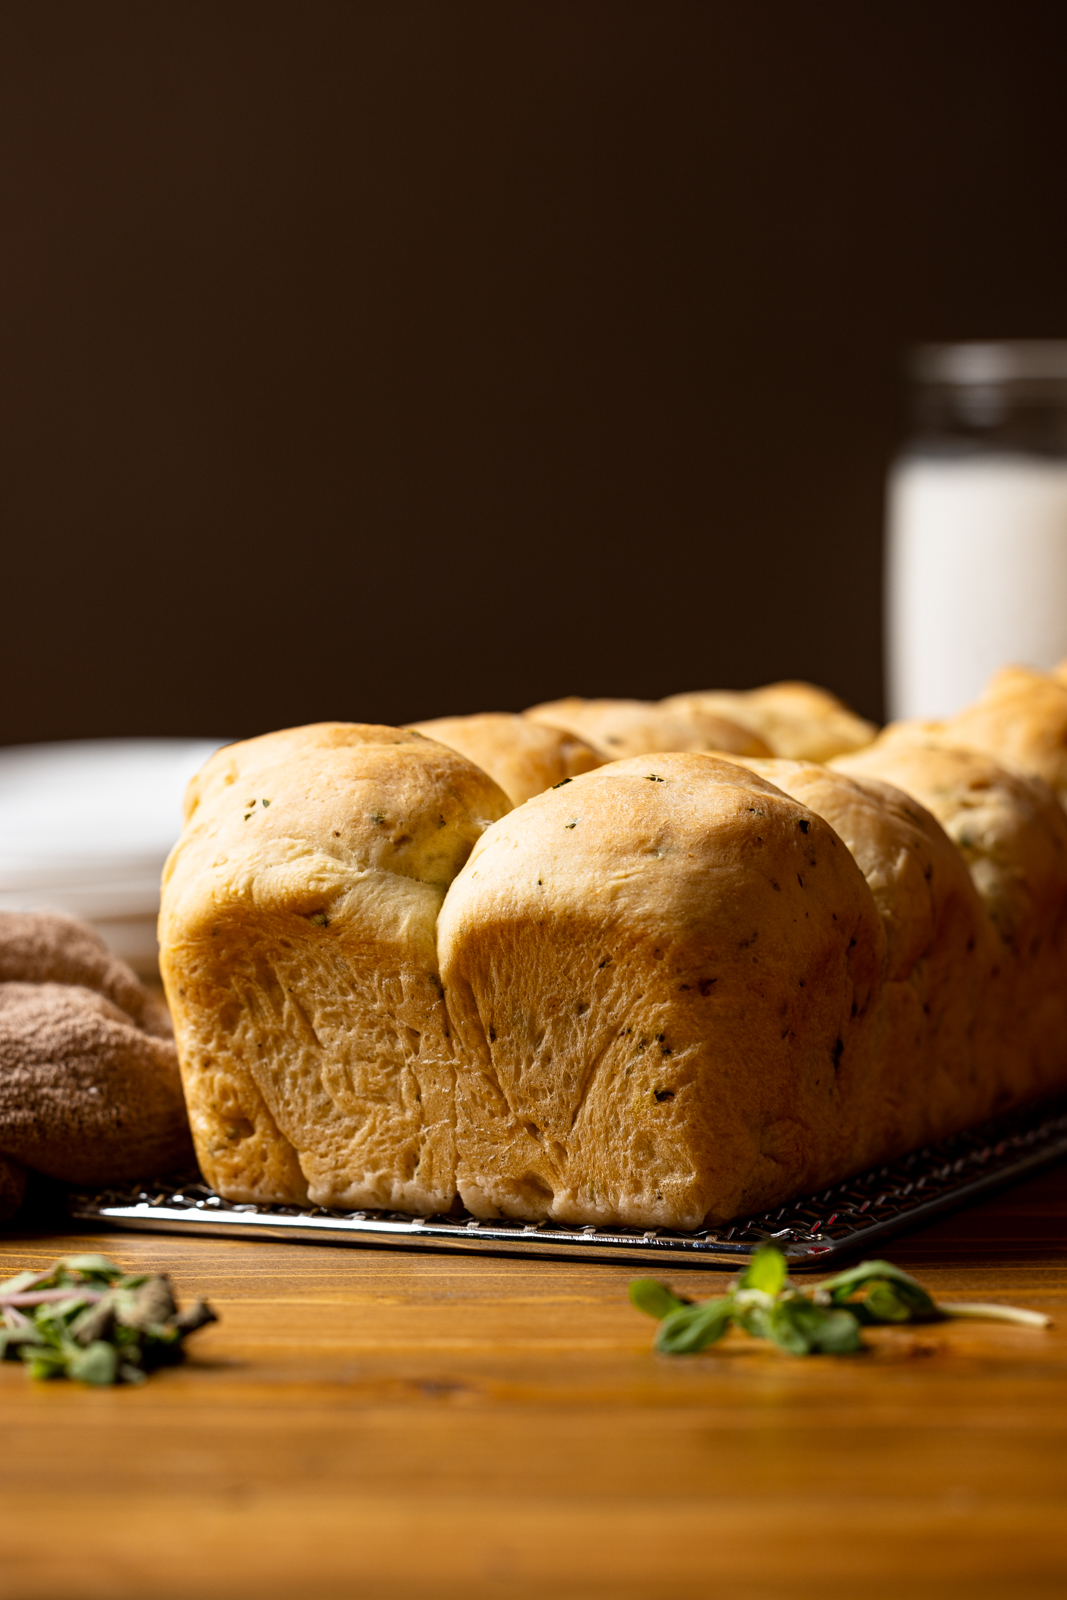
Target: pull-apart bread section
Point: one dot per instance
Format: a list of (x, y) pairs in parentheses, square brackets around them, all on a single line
[(940, 1064), (1012, 836), (298, 945), (662, 979), (620, 728), (796, 720), (524, 757), (1020, 720)]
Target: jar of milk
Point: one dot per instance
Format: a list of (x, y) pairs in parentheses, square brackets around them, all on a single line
[(976, 560)]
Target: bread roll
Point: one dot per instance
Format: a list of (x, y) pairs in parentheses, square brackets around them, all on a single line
[(619, 728), (298, 929), (795, 720), (941, 1060), (1021, 721), (1012, 835), (661, 977), (522, 756)]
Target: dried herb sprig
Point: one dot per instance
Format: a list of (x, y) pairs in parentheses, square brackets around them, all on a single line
[(86, 1319), (825, 1320)]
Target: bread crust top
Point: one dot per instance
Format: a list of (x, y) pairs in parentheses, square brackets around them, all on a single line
[(621, 728), (911, 865), (298, 938), (1009, 828), (796, 720), (523, 756), (293, 819), (1021, 720)]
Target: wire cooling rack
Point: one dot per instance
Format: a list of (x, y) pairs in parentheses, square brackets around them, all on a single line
[(812, 1231)]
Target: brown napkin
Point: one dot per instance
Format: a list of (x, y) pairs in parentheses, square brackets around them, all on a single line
[(89, 1084)]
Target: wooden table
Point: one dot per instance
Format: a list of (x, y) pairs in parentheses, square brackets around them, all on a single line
[(379, 1423)]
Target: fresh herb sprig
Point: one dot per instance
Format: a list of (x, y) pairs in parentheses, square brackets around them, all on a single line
[(825, 1320), (86, 1319)]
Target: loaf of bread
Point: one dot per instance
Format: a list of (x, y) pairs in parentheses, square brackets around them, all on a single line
[(523, 756), (674, 988)]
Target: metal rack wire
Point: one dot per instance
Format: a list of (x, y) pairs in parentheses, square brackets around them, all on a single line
[(812, 1231)]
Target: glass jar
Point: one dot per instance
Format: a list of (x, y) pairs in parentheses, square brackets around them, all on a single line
[(976, 558)]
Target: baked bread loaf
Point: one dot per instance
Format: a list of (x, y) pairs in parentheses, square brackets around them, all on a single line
[(298, 938), (661, 979), (618, 728), (796, 720), (89, 1084), (674, 988), (523, 756)]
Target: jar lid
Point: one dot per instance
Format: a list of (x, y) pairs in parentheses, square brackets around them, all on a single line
[(1028, 361)]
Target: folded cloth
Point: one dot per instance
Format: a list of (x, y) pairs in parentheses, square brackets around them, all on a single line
[(89, 1084)]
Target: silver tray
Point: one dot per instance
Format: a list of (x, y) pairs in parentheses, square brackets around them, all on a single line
[(814, 1231)]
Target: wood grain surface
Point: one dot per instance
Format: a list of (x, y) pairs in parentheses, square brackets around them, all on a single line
[(380, 1423)]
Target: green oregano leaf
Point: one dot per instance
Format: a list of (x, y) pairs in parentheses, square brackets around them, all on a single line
[(767, 1270), (847, 1283), (98, 1364), (785, 1325), (654, 1298), (84, 1319), (693, 1328), (824, 1320), (92, 1266)]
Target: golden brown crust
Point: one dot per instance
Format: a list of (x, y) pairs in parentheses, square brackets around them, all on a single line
[(1021, 720), (1012, 836), (298, 951), (1008, 828), (675, 987), (942, 994), (661, 979), (523, 756), (620, 728), (796, 720)]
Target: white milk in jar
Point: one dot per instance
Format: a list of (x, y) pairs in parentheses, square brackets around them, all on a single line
[(976, 560)]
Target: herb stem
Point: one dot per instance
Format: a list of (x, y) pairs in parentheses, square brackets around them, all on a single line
[(43, 1297), (988, 1312)]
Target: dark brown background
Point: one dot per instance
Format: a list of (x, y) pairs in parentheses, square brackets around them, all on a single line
[(377, 361)]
